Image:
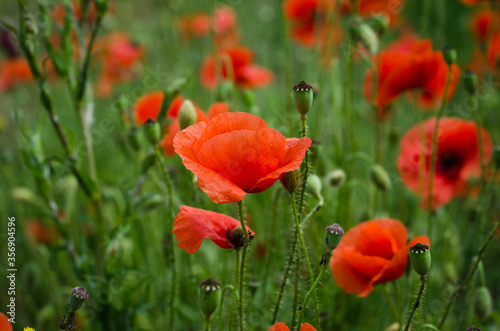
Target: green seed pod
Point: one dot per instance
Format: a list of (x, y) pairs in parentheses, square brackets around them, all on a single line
[(450, 55), (365, 34), (380, 177), (290, 180), (470, 82), (336, 178), (153, 131), (420, 257), (209, 295), (187, 114), (133, 138), (314, 185), (379, 23), (303, 97), (333, 235), (473, 328), (77, 298), (483, 304)]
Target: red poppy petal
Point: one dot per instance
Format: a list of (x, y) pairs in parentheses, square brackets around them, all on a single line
[(207, 73), (368, 266), (4, 323), (346, 276), (279, 327), (216, 109), (307, 327), (167, 143), (252, 76), (148, 106)]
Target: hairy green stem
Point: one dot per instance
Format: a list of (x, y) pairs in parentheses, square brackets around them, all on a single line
[(391, 303), (221, 304), (288, 73), (423, 280), (242, 268), (306, 166), (235, 288)]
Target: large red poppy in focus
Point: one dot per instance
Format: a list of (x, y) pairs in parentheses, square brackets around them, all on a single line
[(420, 69), (193, 225), (371, 253), (235, 64), (237, 153), (457, 158)]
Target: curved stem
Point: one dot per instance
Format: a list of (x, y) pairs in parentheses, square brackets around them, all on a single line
[(423, 280), (235, 287), (242, 267), (463, 285)]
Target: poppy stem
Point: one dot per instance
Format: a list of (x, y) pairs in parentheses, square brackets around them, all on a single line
[(463, 285), (324, 265), (235, 287), (392, 305), (207, 322), (423, 280), (221, 304), (288, 72), (242, 268), (306, 166), (306, 255)]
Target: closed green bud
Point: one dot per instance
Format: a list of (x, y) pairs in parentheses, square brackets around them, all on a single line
[(209, 295), (290, 180), (450, 55), (101, 6), (133, 138), (380, 177), (314, 185), (365, 34), (337, 178), (470, 82), (483, 304), (379, 23), (187, 114), (333, 235), (153, 131), (77, 298), (303, 97), (496, 157), (420, 257)]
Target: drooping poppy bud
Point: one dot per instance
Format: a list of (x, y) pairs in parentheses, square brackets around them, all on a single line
[(483, 304), (153, 131), (236, 238), (290, 180), (101, 7), (333, 235), (380, 177), (187, 114), (209, 295), (77, 298), (365, 34), (303, 97), (450, 55), (314, 185), (337, 178), (470, 82), (379, 23), (420, 257), (133, 138)]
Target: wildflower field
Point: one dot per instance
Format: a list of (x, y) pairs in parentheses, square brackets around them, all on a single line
[(250, 165)]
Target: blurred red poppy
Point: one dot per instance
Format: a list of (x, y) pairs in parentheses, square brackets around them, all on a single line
[(282, 327), (236, 65), (193, 225), (371, 253), (494, 51), (40, 233), (91, 15), (457, 158), (420, 68), (4, 323), (482, 23), (14, 71), (194, 25), (237, 153), (368, 8)]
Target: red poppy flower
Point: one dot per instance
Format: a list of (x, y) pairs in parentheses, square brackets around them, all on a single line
[(482, 23), (371, 253), (282, 327), (4, 323), (421, 68), (195, 25), (457, 158), (368, 8), (494, 51), (14, 71), (193, 225), (236, 65), (40, 233), (237, 153)]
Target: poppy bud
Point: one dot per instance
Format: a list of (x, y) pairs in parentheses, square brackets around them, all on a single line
[(254, 285), (337, 178), (420, 257), (483, 304), (133, 138), (290, 180), (303, 97), (364, 34), (470, 82), (29, 27), (496, 157), (473, 328), (236, 238), (187, 114), (450, 55), (380, 177), (314, 185), (101, 7), (209, 295), (379, 23), (77, 298), (333, 235), (153, 131)]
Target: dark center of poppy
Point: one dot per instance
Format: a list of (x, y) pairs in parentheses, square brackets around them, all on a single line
[(449, 165)]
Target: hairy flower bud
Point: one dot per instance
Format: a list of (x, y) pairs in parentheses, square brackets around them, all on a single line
[(470, 82), (336, 178), (153, 131), (187, 114), (77, 298), (379, 23), (133, 138), (209, 295), (473, 328), (365, 34), (314, 185), (450, 55), (420, 257), (333, 235), (303, 97), (380, 177), (290, 180), (483, 304)]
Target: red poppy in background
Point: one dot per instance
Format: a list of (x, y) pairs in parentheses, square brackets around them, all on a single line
[(76, 7), (457, 158), (482, 23), (368, 8), (41, 233), (371, 253), (494, 51), (235, 64), (237, 153), (193, 225), (282, 327), (14, 71), (421, 68), (194, 25), (4, 323), (476, 2)]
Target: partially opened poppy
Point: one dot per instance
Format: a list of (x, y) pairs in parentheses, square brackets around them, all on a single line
[(235, 64), (371, 253), (400, 71), (193, 225), (457, 158), (282, 327), (237, 153), (14, 71), (4, 323)]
